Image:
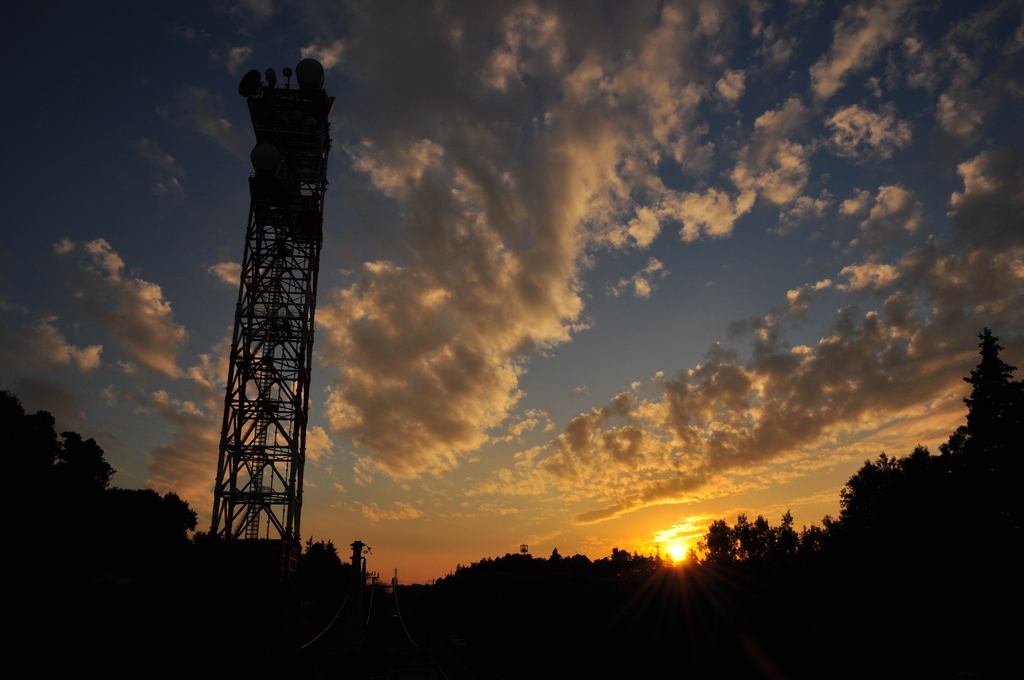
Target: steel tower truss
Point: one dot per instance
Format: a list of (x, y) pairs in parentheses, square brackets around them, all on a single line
[(258, 493)]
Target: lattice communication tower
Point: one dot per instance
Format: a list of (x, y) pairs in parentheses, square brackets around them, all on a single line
[(263, 442)]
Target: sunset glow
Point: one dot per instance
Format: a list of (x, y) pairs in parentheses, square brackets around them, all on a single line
[(594, 274)]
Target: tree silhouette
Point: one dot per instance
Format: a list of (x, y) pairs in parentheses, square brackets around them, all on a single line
[(68, 465), (756, 542), (115, 566), (786, 538), (718, 545), (991, 404), (31, 440), (80, 467), (879, 504), (145, 535), (323, 578), (995, 409)]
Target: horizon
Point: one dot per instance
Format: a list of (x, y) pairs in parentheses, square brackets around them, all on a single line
[(592, 276)]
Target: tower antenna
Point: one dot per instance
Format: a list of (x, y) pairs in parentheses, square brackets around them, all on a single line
[(263, 440)]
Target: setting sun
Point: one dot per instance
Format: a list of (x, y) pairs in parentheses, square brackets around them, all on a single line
[(677, 551)]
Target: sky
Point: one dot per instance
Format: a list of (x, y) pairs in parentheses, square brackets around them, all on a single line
[(593, 275)]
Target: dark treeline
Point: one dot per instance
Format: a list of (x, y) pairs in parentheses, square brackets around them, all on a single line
[(620, 564), (104, 570), (916, 578), (917, 508), (117, 580)]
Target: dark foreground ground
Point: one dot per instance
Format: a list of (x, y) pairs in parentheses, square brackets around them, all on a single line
[(837, 621)]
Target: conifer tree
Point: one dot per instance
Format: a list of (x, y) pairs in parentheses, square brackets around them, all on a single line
[(994, 405), (995, 409)]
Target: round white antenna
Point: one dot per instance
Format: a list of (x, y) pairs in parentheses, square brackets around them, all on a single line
[(310, 74), (271, 77), (266, 159)]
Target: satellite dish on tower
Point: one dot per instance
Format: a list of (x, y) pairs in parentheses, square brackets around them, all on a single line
[(310, 74), (266, 160), (250, 83)]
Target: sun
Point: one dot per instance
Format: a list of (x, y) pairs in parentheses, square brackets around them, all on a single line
[(677, 551)]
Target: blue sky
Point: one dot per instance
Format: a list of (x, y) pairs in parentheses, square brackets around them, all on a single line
[(594, 274)]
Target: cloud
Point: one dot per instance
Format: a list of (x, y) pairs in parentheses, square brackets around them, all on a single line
[(865, 135), (784, 180), (965, 104), (879, 375), (185, 32), (532, 43), (860, 201), (896, 211), (990, 209), (979, 283), (318, 444), (40, 394), (211, 373), (528, 421), (258, 9), (1016, 43), (731, 85), (773, 164), (397, 173), (859, 35), (200, 110), (132, 310), (803, 209), (509, 149), (643, 228), (6, 306), (170, 187), (40, 344), (187, 462), (329, 56), (959, 115), (517, 428), (641, 283), (232, 57), (420, 378), (502, 182), (920, 65), (228, 272), (801, 298), (151, 151), (401, 511), (167, 170), (712, 213), (868, 275), (601, 447), (187, 465), (685, 529), (723, 418)]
